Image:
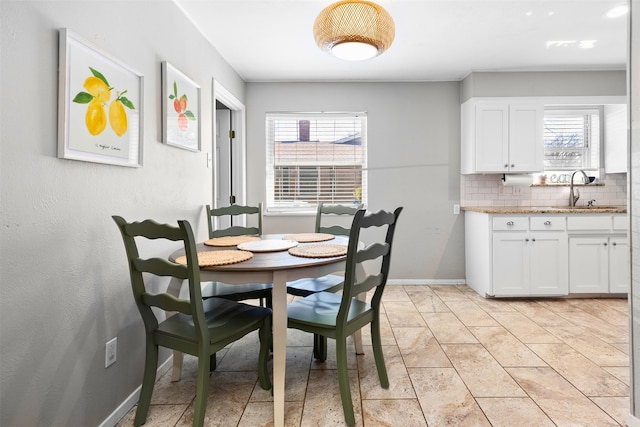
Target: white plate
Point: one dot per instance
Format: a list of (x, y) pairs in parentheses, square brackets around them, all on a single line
[(269, 245)]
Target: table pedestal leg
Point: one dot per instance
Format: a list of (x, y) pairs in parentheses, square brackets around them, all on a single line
[(279, 301), (177, 366)]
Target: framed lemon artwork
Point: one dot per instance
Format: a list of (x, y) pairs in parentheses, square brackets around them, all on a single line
[(99, 105)]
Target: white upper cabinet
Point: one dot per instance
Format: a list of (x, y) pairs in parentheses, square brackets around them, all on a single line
[(502, 136), (615, 138)]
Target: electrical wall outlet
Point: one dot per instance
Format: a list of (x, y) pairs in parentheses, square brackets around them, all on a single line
[(111, 352), (456, 209)]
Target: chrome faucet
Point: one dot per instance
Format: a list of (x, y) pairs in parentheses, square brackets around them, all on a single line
[(574, 195)]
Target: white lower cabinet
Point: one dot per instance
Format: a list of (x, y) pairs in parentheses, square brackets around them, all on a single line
[(531, 262), (510, 264), (546, 255), (619, 264), (598, 264)]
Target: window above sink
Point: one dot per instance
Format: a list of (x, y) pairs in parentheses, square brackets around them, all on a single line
[(572, 141)]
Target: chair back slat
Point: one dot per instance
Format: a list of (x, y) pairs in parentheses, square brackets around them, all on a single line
[(167, 302), (232, 211), (379, 219), (373, 251), (368, 283), (327, 212), (161, 267), (336, 230), (379, 252), (236, 230), (236, 210), (151, 229)]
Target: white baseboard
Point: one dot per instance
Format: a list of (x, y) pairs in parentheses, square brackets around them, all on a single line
[(131, 401), (441, 282), (633, 421)]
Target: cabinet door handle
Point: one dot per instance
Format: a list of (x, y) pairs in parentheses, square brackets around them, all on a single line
[(512, 165), (614, 243), (533, 240), (605, 243), (509, 223), (506, 166), (547, 223)]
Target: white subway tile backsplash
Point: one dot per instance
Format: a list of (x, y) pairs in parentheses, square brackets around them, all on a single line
[(488, 190)]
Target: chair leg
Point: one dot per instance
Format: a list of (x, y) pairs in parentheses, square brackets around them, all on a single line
[(202, 387), (269, 301), (213, 362), (263, 357), (343, 380), (378, 356), (148, 381), (319, 347)]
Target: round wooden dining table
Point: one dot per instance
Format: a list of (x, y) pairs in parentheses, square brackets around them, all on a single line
[(277, 267)]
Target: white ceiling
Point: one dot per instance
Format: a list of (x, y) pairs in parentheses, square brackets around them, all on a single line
[(272, 40)]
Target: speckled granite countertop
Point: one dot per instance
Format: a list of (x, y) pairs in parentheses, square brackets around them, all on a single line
[(545, 209)]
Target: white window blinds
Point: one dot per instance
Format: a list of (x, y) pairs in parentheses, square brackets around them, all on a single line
[(315, 157), (571, 139)]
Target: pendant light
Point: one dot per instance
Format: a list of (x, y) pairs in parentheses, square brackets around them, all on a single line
[(354, 29)]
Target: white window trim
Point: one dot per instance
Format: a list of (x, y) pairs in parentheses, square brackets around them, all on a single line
[(303, 208)]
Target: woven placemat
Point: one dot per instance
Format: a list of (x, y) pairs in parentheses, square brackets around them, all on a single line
[(325, 250), (309, 237), (211, 258), (230, 240)]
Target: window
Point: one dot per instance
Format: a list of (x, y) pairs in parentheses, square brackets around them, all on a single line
[(571, 141), (314, 158)]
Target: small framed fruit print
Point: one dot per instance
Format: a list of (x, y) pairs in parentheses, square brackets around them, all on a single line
[(180, 109), (99, 105)]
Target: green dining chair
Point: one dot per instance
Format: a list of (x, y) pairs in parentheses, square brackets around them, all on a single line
[(261, 291), (339, 316), (331, 282), (199, 327)]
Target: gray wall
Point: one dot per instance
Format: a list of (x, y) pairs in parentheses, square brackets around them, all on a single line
[(582, 83), (413, 160), (65, 289)]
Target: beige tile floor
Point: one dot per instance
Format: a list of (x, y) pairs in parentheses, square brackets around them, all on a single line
[(453, 358)]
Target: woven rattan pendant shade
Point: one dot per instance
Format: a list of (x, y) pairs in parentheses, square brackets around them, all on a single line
[(354, 23)]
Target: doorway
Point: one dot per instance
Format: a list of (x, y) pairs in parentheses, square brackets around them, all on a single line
[(229, 171)]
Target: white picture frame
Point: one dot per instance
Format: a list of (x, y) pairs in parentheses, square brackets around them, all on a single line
[(180, 109), (100, 105)]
